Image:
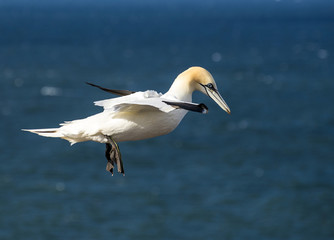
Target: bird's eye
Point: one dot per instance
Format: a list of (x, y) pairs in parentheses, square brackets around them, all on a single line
[(210, 85)]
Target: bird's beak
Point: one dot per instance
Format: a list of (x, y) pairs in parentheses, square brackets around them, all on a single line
[(214, 94)]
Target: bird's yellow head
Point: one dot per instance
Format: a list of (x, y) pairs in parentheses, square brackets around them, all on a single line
[(199, 79)]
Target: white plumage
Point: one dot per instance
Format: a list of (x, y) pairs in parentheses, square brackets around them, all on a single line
[(140, 115)]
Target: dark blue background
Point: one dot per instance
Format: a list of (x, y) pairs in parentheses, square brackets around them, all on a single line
[(264, 172)]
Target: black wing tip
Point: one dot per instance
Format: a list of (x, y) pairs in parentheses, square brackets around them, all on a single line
[(201, 108), (91, 84), (205, 109), (113, 91)]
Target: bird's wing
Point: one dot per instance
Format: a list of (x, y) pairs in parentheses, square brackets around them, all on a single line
[(158, 104), (113, 91), (149, 98), (161, 105), (148, 101)]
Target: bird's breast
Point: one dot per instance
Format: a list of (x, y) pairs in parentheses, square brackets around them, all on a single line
[(146, 124)]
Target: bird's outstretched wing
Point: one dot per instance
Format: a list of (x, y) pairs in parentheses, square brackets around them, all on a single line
[(113, 91), (141, 101), (161, 106)]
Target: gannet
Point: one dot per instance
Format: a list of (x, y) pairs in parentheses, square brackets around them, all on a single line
[(138, 115)]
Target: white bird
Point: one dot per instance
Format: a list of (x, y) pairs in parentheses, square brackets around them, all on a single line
[(138, 115)]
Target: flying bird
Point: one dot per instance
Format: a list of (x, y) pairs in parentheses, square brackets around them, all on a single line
[(138, 115)]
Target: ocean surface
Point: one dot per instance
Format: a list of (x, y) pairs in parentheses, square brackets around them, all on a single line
[(264, 172)]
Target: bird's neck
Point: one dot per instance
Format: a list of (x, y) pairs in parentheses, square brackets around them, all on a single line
[(181, 90)]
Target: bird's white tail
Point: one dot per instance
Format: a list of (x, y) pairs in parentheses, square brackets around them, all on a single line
[(46, 132)]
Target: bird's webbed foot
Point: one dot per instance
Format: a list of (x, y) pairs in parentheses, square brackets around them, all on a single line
[(113, 156)]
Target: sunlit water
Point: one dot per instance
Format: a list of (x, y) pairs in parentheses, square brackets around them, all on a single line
[(264, 172)]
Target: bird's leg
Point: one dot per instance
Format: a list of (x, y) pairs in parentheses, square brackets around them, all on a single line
[(110, 163), (113, 155)]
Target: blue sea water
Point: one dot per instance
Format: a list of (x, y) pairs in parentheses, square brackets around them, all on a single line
[(264, 172)]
